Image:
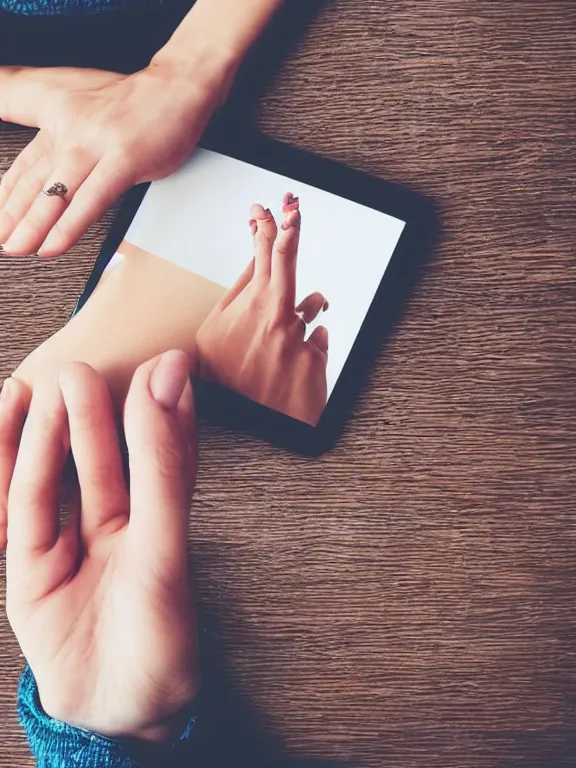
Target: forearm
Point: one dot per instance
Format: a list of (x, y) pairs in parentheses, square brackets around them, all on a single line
[(142, 307), (214, 38)]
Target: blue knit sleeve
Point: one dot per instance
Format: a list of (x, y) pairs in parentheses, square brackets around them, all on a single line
[(57, 745), (75, 8)]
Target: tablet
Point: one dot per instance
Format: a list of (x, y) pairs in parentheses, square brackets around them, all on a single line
[(287, 319)]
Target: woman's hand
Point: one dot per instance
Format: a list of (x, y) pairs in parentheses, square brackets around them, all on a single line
[(100, 134), (254, 340), (101, 606)]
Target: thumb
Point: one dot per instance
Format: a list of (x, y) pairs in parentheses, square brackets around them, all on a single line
[(310, 307), (160, 428)]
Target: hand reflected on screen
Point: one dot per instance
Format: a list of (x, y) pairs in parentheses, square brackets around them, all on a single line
[(254, 341)]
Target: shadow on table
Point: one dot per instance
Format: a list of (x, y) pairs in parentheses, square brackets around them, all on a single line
[(126, 42), (230, 732), (265, 60)]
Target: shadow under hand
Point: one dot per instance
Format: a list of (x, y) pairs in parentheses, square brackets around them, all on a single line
[(230, 732), (266, 58), (125, 42)]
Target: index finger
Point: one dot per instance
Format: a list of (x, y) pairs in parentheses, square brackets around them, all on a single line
[(34, 497), (161, 440)]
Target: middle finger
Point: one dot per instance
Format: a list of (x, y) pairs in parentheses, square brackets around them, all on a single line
[(284, 260), (95, 447)]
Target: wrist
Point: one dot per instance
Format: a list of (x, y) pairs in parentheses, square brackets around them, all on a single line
[(214, 38), (189, 69), (163, 732), (65, 740)]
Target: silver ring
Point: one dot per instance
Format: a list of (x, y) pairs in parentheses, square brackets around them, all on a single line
[(57, 190)]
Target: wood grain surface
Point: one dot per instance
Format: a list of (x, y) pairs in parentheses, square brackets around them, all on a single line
[(408, 600)]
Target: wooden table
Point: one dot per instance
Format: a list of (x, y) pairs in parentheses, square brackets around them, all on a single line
[(409, 599)]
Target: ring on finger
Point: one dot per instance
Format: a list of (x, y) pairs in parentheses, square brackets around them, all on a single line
[(57, 189)]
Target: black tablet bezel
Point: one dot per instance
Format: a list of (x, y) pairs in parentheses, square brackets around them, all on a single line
[(234, 411)]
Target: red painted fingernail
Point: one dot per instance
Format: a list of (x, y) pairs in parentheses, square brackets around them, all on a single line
[(325, 306)]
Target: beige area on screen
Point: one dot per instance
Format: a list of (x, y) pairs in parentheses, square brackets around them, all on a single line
[(141, 307)]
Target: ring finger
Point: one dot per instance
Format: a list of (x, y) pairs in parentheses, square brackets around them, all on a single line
[(56, 193)]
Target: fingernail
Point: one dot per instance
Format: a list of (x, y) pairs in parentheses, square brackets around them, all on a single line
[(292, 199), (169, 378), (7, 389), (294, 219), (325, 306)]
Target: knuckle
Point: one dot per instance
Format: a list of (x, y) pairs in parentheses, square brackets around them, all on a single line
[(258, 302), (170, 460), (49, 424), (100, 475), (117, 146), (264, 237), (278, 322), (282, 248), (28, 184), (9, 221), (121, 148), (78, 152), (87, 415)]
